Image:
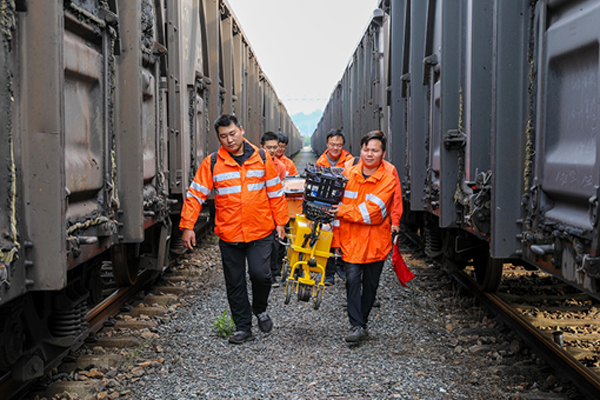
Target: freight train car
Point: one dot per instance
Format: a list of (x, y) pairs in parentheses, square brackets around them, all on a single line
[(491, 110), (358, 102), (107, 113)]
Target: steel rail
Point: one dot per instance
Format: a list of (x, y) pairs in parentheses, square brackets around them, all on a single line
[(586, 381), (96, 317), (111, 306)]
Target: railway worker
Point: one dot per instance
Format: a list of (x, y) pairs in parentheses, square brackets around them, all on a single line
[(334, 156), (397, 207), (290, 168), (249, 203), (270, 143), (364, 232)]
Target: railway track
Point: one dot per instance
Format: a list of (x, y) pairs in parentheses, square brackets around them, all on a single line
[(102, 314), (96, 318), (551, 317)]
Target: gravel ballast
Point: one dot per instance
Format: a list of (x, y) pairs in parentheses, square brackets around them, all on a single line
[(426, 341)]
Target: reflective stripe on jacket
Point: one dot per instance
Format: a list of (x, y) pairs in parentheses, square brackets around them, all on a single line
[(249, 199), (290, 168), (364, 232), (345, 157), (397, 207)]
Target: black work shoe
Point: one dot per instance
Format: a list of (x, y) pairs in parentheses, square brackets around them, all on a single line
[(357, 333), (240, 337), (274, 283), (265, 324), (329, 281)]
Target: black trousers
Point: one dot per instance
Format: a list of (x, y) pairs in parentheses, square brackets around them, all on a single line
[(330, 267), (234, 256), (362, 281), (277, 255)]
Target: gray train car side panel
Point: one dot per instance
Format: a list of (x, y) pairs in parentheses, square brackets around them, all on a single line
[(567, 164), (509, 124), (449, 109), (397, 106), (43, 151), (128, 128), (417, 95)]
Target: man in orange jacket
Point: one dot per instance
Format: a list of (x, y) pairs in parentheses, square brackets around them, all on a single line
[(290, 168), (364, 232), (270, 142), (334, 156), (250, 203)]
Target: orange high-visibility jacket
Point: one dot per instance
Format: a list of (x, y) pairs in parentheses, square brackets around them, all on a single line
[(290, 168), (364, 232), (397, 207), (249, 199), (344, 158)]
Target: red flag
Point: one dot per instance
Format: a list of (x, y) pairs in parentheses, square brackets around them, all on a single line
[(402, 272)]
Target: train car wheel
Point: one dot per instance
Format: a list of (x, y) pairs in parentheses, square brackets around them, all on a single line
[(125, 265), (488, 271), (12, 339)]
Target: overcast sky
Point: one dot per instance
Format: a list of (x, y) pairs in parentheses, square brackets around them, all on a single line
[(303, 46)]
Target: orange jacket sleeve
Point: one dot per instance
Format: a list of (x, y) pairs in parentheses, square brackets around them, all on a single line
[(197, 194), (373, 210), (291, 168), (275, 193)]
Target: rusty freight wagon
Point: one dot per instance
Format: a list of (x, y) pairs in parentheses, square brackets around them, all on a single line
[(107, 112)]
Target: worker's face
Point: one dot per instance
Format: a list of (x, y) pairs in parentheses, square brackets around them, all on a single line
[(232, 138), (335, 145), (372, 153), (281, 149), (271, 146)]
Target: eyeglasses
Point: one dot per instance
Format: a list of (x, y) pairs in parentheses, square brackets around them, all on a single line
[(336, 146)]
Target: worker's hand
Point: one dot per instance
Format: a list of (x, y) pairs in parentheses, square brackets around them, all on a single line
[(280, 231), (333, 210), (189, 238), (395, 228)]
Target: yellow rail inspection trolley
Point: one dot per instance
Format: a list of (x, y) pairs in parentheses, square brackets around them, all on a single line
[(311, 233)]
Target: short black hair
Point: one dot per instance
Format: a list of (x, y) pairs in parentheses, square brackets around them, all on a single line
[(377, 135), (268, 136), (282, 137), (226, 120), (334, 133)]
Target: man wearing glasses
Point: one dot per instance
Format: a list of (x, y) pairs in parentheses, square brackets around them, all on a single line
[(334, 156)]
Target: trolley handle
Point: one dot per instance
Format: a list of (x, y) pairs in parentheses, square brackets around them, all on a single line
[(285, 243)]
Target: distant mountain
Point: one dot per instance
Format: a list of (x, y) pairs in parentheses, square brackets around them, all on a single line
[(307, 122)]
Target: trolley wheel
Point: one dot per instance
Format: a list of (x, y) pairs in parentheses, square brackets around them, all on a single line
[(488, 271), (125, 266), (289, 288), (285, 269), (304, 293), (318, 298)]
